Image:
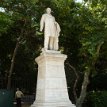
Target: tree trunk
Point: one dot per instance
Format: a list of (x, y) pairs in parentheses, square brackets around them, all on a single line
[(76, 80), (12, 64), (13, 57), (85, 83)]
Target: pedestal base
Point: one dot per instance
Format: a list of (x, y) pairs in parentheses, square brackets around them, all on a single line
[(51, 82), (51, 104)]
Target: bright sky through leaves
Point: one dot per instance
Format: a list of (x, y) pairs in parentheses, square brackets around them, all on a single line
[(2, 10), (78, 0)]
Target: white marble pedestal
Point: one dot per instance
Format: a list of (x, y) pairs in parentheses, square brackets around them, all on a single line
[(51, 82)]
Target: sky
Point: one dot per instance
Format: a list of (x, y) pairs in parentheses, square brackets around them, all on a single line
[(1, 9), (78, 0)]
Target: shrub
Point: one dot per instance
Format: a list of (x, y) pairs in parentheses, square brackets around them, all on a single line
[(97, 99)]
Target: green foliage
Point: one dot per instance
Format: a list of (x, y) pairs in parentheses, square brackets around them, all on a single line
[(18, 20), (5, 22), (97, 99), (83, 29), (93, 35), (98, 82)]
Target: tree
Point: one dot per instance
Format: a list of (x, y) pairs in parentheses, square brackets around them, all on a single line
[(22, 14), (83, 37), (85, 25), (91, 41)]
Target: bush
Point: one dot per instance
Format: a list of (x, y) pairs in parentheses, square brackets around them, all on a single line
[(97, 99)]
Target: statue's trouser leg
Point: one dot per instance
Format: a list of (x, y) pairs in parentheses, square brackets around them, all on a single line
[(46, 42), (51, 41), (56, 43)]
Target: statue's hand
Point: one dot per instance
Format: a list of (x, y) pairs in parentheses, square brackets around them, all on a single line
[(40, 30), (55, 22)]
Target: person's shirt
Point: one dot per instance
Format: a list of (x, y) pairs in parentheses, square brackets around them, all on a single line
[(18, 94)]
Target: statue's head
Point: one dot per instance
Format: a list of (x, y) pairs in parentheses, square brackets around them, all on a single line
[(48, 10)]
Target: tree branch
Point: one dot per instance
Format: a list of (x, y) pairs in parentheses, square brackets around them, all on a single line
[(76, 80), (13, 57)]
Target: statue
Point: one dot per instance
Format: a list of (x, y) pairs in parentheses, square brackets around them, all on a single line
[(51, 30)]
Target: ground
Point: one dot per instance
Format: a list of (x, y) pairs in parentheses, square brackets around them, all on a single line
[(24, 105)]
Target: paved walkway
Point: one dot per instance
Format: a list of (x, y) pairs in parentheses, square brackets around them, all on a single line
[(25, 105)]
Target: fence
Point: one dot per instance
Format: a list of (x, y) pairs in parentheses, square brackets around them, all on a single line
[(27, 86)]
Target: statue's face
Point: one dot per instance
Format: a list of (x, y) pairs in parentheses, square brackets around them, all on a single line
[(48, 10)]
